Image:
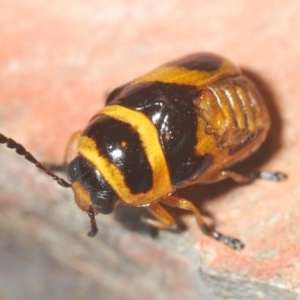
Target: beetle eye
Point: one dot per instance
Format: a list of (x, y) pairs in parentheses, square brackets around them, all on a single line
[(103, 202)]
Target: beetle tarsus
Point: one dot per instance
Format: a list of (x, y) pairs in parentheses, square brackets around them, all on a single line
[(233, 243), (271, 176)]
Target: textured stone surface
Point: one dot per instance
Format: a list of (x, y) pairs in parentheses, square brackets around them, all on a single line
[(58, 60)]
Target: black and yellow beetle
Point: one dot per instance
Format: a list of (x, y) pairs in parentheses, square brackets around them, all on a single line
[(182, 124)]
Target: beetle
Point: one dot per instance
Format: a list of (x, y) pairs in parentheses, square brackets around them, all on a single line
[(182, 124)]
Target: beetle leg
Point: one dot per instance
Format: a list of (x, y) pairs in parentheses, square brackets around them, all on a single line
[(73, 140), (243, 179), (240, 178), (187, 205), (163, 219)]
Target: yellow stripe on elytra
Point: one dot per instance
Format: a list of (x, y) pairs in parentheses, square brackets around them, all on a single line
[(148, 135), (185, 76)]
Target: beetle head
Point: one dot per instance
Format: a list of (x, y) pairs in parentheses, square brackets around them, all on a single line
[(90, 188)]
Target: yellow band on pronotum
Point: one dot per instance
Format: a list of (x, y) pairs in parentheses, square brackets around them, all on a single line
[(149, 138)]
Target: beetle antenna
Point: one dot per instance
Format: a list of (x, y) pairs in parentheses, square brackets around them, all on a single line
[(20, 150)]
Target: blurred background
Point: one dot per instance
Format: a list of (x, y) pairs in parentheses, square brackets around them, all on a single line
[(58, 62)]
